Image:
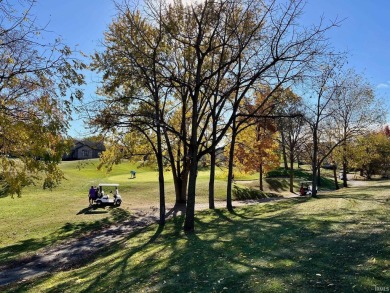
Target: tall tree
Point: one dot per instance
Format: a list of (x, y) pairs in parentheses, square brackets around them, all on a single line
[(228, 48), (355, 110), (323, 88), (290, 128), (343, 106), (135, 91), (185, 56), (257, 149), (36, 77)]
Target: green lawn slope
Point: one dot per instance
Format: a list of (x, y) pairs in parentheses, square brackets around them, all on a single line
[(338, 243), (42, 217)]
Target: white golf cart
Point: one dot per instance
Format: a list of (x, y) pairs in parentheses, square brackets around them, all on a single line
[(306, 188), (103, 197)]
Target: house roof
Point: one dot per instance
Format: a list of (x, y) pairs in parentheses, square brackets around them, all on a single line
[(98, 146)]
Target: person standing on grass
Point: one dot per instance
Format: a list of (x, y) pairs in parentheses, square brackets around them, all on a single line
[(91, 195)]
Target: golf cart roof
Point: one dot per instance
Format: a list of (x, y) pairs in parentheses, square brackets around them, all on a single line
[(108, 184)]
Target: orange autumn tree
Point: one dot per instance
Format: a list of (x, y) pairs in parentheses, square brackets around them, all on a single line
[(257, 149)]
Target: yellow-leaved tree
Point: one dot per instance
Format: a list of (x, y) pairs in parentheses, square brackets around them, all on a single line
[(256, 147), (257, 150), (35, 80)]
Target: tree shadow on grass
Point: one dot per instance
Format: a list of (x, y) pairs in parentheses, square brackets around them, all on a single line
[(260, 248), (92, 211), (279, 252), (272, 207), (119, 215), (278, 184), (358, 196), (368, 193), (103, 251), (120, 267), (10, 253), (178, 209), (245, 193)]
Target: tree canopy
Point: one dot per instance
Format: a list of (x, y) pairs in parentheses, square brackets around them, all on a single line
[(181, 73), (35, 81)]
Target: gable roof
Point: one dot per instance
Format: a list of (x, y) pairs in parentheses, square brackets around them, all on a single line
[(98, 146)]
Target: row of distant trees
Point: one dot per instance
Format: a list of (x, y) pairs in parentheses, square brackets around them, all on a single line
[(369, 154), (180, 81)]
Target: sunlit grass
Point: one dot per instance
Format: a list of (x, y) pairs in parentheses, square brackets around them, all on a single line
[(34, 220), (338, 243), (39, 213)]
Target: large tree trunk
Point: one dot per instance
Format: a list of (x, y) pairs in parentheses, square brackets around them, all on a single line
[(284, 153), (161, 176), (344, 172), (212, 178), (335, 176), (314, 166), (179, 166), (291, 171), (318, 174), (261, 177), (180, 183), (229, 204), (189, 223), (345, 164)]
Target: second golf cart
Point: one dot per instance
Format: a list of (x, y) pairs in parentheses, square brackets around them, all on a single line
[(306, 188)]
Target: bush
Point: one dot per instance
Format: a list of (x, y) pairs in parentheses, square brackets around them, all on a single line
[(283, 173), (245, 193)]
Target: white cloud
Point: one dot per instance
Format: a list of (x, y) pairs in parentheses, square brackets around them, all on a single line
[(383, 85)]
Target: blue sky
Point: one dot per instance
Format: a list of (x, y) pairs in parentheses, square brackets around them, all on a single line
[(80, 24), (364, 33)]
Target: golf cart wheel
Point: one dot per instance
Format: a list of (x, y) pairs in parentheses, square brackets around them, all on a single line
[(118, 202), (99, 203)]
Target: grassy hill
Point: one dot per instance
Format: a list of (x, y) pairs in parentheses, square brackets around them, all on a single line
[(338, 243), (38, 217), (41, 217)]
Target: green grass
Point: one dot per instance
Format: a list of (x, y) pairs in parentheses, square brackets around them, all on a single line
[(42, 217), (338, 243), (302, 174), (247, 193)]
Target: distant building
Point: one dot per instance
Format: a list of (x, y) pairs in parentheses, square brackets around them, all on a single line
[(83, 150)]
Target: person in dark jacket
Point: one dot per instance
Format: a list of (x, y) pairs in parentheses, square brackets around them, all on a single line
[(91, 195)]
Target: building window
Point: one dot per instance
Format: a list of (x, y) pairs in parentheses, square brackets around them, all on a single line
[(85, 153)]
